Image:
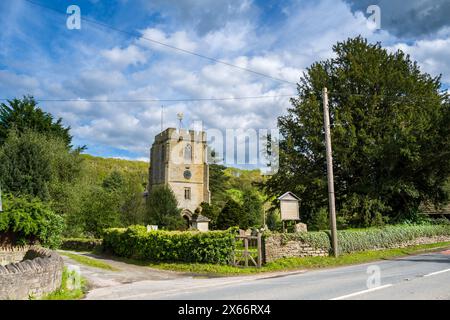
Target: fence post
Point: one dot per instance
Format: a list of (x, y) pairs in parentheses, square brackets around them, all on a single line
[(259, 250), (246, 251)]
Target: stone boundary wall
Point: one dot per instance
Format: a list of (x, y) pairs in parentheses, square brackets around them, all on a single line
[(274, 248), (38, 274), (12, 254)]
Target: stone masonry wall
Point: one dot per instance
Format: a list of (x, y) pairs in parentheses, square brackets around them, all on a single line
[(275, 249), (38, 274), (12, 254)]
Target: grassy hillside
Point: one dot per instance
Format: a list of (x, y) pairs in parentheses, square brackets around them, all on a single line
[(96, 169)]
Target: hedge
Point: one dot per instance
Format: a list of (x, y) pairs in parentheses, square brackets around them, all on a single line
[(368, 239), (170, 246), (80, 244), (29, 221)]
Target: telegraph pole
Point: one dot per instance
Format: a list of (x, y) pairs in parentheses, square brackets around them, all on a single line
[(1, 205), (326, 121)]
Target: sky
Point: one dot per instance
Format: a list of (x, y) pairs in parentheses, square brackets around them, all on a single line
[(40, 56)]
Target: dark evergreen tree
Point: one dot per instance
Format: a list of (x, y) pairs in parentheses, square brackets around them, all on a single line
[(162, 209), (231, 215), (24, 114), (390, 136), (253, 210)]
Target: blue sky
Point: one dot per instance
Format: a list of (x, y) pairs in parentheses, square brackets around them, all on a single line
[(40, 56)]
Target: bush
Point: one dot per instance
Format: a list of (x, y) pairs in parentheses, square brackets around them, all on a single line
[(172, 246), (27, 220), (368, 239), (81, 244)]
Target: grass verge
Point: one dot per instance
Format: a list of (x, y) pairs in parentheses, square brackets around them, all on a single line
[(66, 293), (90, 262), (293, 263)]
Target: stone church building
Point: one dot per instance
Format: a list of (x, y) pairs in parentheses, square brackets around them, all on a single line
[(178, 159)]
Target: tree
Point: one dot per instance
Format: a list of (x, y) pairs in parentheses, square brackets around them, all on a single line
[(100, 210), (24, 115), (210, 211), (38, 165), (390, 135), (231, 215), (162, 208), (27, 220), (253, 210), (115, 181)]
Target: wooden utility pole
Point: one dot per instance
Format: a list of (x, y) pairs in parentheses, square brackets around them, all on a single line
[(326, 121)]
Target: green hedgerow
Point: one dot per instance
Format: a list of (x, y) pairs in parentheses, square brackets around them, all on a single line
[(174, 246)]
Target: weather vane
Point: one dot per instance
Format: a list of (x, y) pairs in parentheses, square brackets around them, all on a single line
[(180, 116)]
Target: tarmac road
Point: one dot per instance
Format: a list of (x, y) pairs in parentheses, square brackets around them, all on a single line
[(425, 276)]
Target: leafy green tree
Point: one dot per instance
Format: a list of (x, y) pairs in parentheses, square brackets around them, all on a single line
[(390, 135), (211, 212), (232, 215), (273, 220), (162, 209), (38, 165), (114, 181), (27, 220), (218, 184), (100, 211), (24, 115), (253, 210)]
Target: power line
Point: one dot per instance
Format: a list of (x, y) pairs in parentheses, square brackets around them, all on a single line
[(136, 34), (155, 100)]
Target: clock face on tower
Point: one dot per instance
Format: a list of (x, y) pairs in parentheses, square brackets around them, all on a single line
[(187, 174)]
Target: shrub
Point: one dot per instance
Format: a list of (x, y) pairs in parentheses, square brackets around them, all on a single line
[(81, 244), (173, 246), (29, 220)]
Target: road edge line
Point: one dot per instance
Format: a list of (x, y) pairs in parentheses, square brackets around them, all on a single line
[(362, 292)]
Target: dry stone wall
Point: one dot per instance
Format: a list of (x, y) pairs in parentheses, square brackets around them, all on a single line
[(275, 248), (12, 254), (38, 272)]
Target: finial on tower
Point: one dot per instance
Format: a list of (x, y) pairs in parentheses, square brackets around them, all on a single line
[(180, 116)]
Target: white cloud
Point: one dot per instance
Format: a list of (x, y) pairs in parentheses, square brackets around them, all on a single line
[(127, 71), (432, 55), (131, 55)]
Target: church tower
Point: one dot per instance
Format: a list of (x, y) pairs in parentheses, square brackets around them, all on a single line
[(178, 159)]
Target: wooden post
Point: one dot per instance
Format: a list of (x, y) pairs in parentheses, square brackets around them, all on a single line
[(326, 120), (246, 251), (259, 250)]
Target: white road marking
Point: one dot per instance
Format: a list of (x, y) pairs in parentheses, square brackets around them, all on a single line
[(362, 292), (437, 272)]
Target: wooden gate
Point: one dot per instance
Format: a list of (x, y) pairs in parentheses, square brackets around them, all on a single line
[(248, 251)]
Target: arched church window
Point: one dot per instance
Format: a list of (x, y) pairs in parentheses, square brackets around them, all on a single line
[(188, 153)]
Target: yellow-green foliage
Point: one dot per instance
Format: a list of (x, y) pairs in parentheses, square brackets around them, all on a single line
[(97, 169)]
